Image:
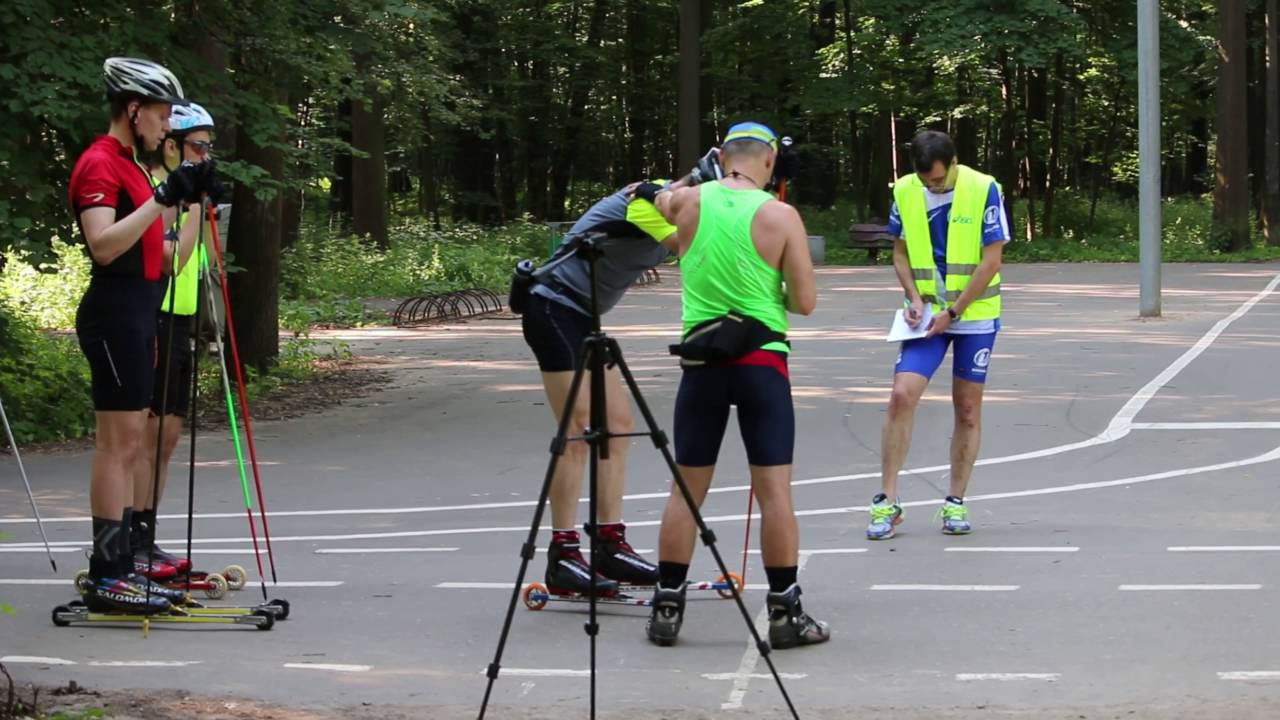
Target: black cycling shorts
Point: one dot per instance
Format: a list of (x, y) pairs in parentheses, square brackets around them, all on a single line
[(758, 384), (116, 328), (178, 400), (554, 331)]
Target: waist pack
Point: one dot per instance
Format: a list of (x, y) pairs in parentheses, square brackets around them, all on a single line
[(725, 338), (522, 281)]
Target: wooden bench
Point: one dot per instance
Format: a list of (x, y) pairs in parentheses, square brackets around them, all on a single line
[(870, 237)]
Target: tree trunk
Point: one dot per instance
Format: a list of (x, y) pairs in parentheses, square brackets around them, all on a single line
[(879, 194), (1007, 172), (369, 174), (1257, 109), (637, 111), (340, 196), (858, 162), (1108, 143), (580, 83), (1271, 202), (1231, 192), (1055, 141), (1030, 164), (254, 237), (689, 106)]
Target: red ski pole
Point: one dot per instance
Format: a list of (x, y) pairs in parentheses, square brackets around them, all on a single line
[(244, 399)]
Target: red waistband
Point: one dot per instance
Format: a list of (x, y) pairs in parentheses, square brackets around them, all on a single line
[(766, 358)]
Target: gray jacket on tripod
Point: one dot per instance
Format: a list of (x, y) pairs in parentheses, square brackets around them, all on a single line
[(634, 232)]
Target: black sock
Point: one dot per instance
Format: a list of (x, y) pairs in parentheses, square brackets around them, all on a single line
[(106, 548), (144, 529), (781, 578), (672, 575)]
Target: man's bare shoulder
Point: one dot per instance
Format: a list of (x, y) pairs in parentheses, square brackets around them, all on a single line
[(777, 214)]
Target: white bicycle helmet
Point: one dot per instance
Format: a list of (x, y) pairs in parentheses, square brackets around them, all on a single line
[(186, 118), (144, 78)]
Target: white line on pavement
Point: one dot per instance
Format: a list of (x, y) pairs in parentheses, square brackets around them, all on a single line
[(754, 676), (1193, 586), (372, 551), (1206, 426), (1120, 426), (1250, 675), (34, 660), (540, 672), (328, 666), (1050, 549), (143, 663), (751, 658), (1046, 677), (949, 588), (1225, 548), (823, 551), (283, 584)]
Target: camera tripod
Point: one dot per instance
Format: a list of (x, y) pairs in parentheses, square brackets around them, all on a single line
[(598, 352)]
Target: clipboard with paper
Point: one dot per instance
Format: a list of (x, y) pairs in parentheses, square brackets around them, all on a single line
[(901, 330)]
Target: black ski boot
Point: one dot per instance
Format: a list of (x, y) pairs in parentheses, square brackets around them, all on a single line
[(569, 574), (667, 615), (619, 561), (118, 595), (789, 625)]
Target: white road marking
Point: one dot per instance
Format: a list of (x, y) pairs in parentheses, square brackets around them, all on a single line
[(1269, 456), (508, 585), (1206, 426), (1050, 549), (1250, 675), (143, 663), (1046, 677), (754, 676), (1119, 427), (35, 660), (40, 549), (1225, 548), (374, 551), (948, 588), (822, 551), (283, 584), (1194, 586), (329, 667), (539, 672), (750, 658)]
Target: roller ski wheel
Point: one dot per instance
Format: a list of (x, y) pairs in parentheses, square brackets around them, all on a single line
[(217, 586), (726, 584), (236, 577), (536, 596), (262, 619), (279, 607), (82, 582), (61, 615)]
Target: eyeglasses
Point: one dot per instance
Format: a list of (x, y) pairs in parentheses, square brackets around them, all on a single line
[(203, 147)]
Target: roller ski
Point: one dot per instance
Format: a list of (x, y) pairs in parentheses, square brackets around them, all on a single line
[(82, 612), (537, 595), (166, 579)]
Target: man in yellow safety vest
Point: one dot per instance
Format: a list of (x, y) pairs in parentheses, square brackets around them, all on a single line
[(950, 229)]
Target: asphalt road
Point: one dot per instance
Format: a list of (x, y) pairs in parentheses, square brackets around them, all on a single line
[(1124, 556)]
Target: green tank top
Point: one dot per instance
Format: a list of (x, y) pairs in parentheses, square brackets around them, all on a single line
[(722, 271)]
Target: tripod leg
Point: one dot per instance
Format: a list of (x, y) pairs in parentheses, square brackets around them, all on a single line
[(529, 548), (661, 442)]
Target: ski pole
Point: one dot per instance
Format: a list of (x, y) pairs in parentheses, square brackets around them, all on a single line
[(235, 437), (244, 398), (23, 472)]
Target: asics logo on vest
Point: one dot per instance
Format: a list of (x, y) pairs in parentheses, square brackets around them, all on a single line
[(960, 219)]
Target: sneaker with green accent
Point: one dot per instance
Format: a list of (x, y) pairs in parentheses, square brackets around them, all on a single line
[(955, 517), (885, 516)]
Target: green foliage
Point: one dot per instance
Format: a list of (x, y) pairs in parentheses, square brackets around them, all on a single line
[(325, 274), (44, 381), (47, 292)]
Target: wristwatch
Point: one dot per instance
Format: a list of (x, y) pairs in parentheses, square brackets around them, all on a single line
[(951, 312)]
